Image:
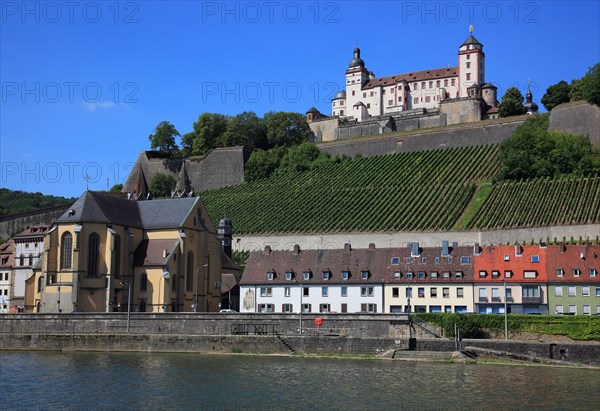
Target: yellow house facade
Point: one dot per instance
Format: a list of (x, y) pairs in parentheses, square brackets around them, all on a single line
[(109, 254)]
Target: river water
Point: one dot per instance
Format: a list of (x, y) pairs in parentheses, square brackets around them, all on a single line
[(156, 381)]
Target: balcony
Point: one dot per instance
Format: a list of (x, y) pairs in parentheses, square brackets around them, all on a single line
[(483, 299), (509, 299), (532, 300), (496, 299)]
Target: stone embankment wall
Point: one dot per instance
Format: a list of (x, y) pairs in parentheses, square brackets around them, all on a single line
[(267, 334), (308, 241)]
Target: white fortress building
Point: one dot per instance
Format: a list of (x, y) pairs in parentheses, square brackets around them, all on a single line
[(454, 94)]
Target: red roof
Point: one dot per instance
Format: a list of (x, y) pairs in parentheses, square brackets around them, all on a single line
[(432, 74), (573, 257)]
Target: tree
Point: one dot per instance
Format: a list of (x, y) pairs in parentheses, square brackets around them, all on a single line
[(247, 130), (116, 188), (262, 164), (163, 138), (208, 131), (286, 129), (533, 151), (187, 141), (590, 85), (301, 158), (161, 185), (556, 94), (512, 103), (575, 92)]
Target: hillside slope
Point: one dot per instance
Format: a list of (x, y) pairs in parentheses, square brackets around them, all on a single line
[(447, 189)]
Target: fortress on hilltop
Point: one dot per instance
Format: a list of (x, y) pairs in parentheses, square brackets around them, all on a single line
[(419, 99)]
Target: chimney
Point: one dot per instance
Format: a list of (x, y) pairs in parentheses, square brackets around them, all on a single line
[(347, 247), (165, 253), (296, 249), (563, 247), (267, 249), (372, 246), (476, 249)]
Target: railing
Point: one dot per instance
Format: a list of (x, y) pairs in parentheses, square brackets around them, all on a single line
[(483, 299), (529, 300), (254, 328), (496, 299)]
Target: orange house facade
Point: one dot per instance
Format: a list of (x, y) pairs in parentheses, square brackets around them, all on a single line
[(511, 278)]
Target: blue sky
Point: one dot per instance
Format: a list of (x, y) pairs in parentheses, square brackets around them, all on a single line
[(84, 83)]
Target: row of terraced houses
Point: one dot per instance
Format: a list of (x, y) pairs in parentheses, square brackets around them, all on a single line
[(526, 279)]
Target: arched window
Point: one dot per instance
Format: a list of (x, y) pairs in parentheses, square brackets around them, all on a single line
[(142, 306), (144, 282), (31, 260), (93, 255), (116, 260), (66, 251), (189, 279)]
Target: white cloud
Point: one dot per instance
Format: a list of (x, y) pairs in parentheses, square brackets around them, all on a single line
[(99, 105)]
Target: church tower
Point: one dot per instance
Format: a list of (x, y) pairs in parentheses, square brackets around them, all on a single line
[(471, 64), (356, 76), (225, 235)]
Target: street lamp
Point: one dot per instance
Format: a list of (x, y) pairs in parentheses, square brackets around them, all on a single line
[(128, 304), (195, 305), (505, 313)]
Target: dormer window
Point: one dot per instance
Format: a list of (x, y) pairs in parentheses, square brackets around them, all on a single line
[(270, 275), (560, 272), (434, 274), (289, 275), (506, 257), (395, 260), (410, 275), (345, 275), (424, 260), (397, 274), (508, 274), (364, 274), (446, 274), (495, 273), (407, 260), (436, 260), (326, 275), (458, 274), (482, 273), (576, 272), (421, 275), (529, 274), (307, 275)]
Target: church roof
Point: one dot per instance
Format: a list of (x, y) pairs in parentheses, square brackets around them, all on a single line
[(140, 189), (150, 252), (432, 74), (101, 207)]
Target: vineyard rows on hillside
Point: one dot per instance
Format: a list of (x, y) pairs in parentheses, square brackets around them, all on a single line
[(405, 191), (541, 202), (418, 191)]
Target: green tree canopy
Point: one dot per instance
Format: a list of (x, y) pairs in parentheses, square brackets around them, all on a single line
[(302, 158), (161, 185), (533, 151), (286, 129), (556, 94), (208, 131), (187, 141), (163, 138), (262, 164), (116, 188), (589, 85), (246, 129), (512, 103)]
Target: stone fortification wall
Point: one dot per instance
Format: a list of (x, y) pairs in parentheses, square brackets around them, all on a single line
[(220, 168), (485, 132), (578, 117), (14, 223), (311, 241)]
